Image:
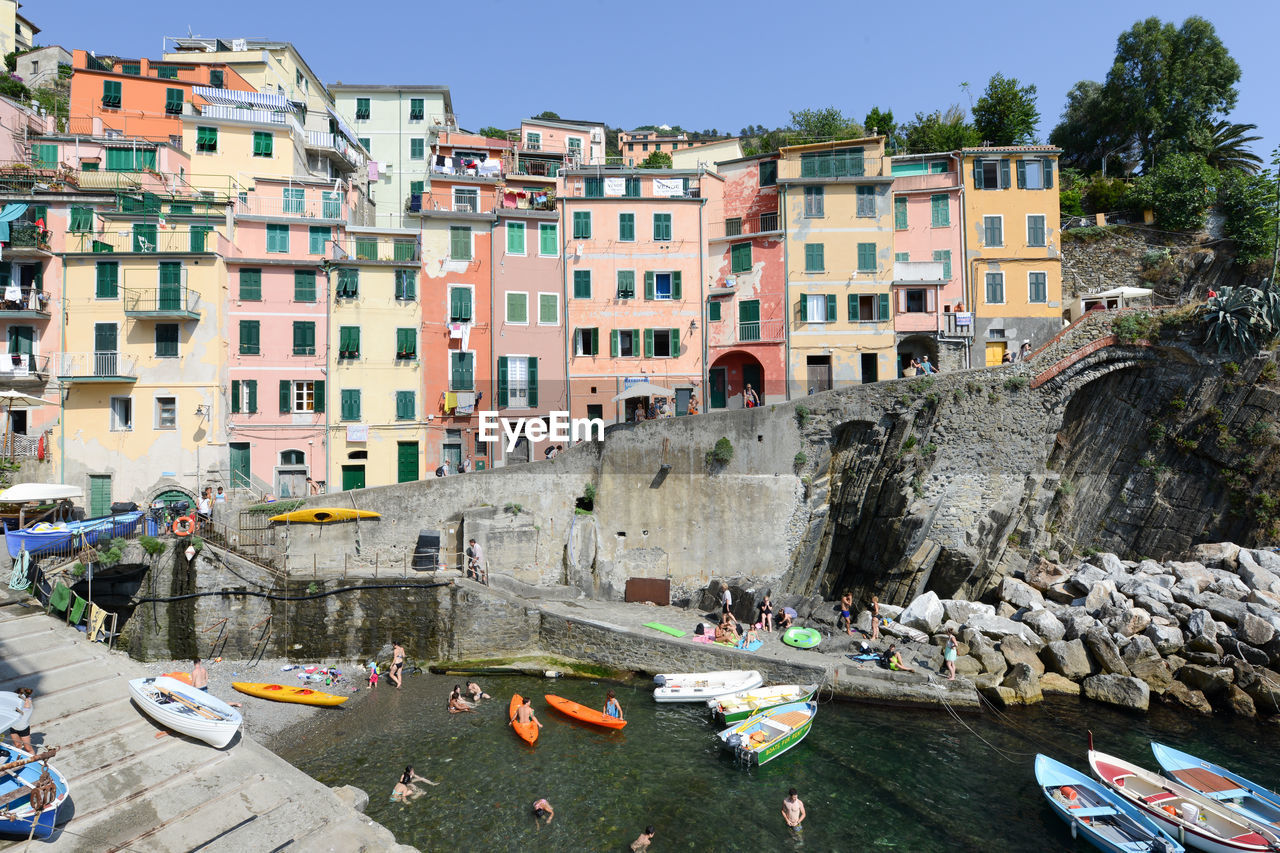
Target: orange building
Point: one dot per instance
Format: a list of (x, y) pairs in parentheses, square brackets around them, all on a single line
[(138, 98)]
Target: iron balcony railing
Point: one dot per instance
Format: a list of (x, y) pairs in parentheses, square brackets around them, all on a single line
[(17, 366), (97, 365), (146, 241), (162, 301), (384, 249), (254, 115), (28, 301), (322, 140), (761, 331), (309, 206), (28, 235), (741, 226)]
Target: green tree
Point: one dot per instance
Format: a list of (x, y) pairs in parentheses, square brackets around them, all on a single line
[(1225, 144), (548, 115), (881, 122), (1090, 134), (1177, 189), (657, 160), (939, 131), (1168, 81), (1249, 206), (1006, 112), (494, 132), (827, 123)]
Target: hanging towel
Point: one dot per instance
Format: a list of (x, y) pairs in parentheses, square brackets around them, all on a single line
[(373, 170), (77, 610), (12, 293), (61, 597), (466, 335), (97, 622), (450, 400)]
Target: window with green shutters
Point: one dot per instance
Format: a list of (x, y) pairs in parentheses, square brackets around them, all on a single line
[(854, 315), (178, 207), (250, 285), (108, 280), (548, 243), (207, 140), (1035, 230), (406, 344), (277, 238), (459, 304), (249, 344), (814, 257), (627, 227), (134, 69), (129, 160), (662, 227), (518, 308), (417, 109), (144, 237), (626, 284), (416, 187), (944, 255), (461, 371), (866, 257), (406, 406), (768, 173), (992, 231), (582, 224), (406, 284), (295, 199), (263, 143), (304, 337), (215, 78), (350, 404), (815, 201), (348, 283), (740, 257), (81, 219), (404, 250), (167, 72), (940, 211), (199, 237), (366, 143), (362, 109), (173, 102), (332, 204), (582, 284), (304, 285), (459, 243), (318, 237), (366, 248), (166, 340), (302, 396), (515, 238), (1037, 287), (866, 202), (44, 156), (348, 342), (244, 396), (995, 288), (594, 188), (632, 189), (901, 257), (713, 310), (845, 163), (111, 94), (900, 213), (548, 309)]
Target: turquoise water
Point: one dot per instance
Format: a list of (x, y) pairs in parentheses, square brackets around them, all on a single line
[(871, 778)]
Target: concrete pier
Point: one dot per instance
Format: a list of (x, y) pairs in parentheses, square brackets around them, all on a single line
[(133, 790)]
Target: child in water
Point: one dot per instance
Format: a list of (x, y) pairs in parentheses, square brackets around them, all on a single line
[(373, 675)]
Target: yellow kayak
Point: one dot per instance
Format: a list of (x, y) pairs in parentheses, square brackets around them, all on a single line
[(284, 693), (321, 515)]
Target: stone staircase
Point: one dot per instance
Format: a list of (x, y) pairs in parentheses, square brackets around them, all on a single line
[(132, 790)]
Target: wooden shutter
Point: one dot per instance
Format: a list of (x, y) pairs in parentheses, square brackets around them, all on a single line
[(677, 291), (595, 341), (503, 391), (286, 396), (533, 381), (900, 213), (648, 343), (614, 346), (713, 311), (235, 396), (1048, 172), (675, 342), (977, 174), (1022, 174), (931, 300), (464, 299), (319, 396), (1004, 173), (648, 285), (884, 307), (902, 300), (250, 395), (853, 308), (831, 307)]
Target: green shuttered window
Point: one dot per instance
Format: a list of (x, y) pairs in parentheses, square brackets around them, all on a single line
[(459, 304), (406, 284), (348, 283), (992, 231), (406, 343), (1035, 230), (249, 339), (304, 337), (866, 257), (263, 144), (317, 237), (348, 342), (108, 280), (582, 284), (740, 258), (350, 404), (207, 140), (814, 257), (515, 238), (1037, 287), (547, 242), (406, 406), (940, 211), (304, 285), (111, 93), (244, 396), (460, 243), (944, 255), (900, 213), (582, 224), (627, 227), (548, 309), (626, 284), (461, 371), (662, 227), (81, 219), (277, 238), (250, 285), (866, 202)]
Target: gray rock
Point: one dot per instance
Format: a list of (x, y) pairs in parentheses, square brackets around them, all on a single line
[(963, 611), (1193, 574), (1043, 575), (1268, 560), (1151, 567), (1024, 682), (993, 662), (1085, 577), (1151, 605), (1187, 697), (1166, 639), (1068, 658), (1228, 585), (968, 666), (1144, 662), (352, 796), (1047, 626), (1201, 624), (1016, 651), (1269, 600), (1110, 564), (1265, 693), (1239, 702), (1075, 622), (1253, 575), (1060, 593), (1180, 611), (998, 627), (1208, 680), (1125, 621), (1021, 594), (1051, 682), (1100, 595), (1123, 691), (1005, 610), (1245, 652), (1224, 609), (1104, 652), (1216, 554), (1145, 586), (1254, 630)]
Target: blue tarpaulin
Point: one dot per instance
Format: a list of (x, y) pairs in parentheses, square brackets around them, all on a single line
[(43, 538), (10, 213)]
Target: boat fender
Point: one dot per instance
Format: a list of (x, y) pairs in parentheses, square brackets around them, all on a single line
[(183, 525)]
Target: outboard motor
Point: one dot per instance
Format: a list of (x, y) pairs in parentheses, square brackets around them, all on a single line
[(734, 741), (660, 681)]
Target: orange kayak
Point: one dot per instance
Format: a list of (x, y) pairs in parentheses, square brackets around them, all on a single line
[(528, 731), (583, 713), (184, 677), (285, 693)]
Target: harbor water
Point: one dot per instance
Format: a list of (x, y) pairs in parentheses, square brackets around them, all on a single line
[(872, 778)]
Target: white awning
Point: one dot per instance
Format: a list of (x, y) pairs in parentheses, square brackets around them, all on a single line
[(344, 127), (233, 98), (1126, 292)]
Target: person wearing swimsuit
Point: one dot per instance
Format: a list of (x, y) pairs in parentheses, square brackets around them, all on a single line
[(611, 706)]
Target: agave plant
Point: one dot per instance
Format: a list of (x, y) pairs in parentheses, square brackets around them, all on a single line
[(1240, 319)]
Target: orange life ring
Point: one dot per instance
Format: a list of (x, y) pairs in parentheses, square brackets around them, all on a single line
[(183, 525)]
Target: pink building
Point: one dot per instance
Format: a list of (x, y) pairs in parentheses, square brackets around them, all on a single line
[(746, 305), (928, 281), (634, 279)]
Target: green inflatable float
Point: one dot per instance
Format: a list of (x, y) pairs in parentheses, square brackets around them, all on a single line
[(801, 638)]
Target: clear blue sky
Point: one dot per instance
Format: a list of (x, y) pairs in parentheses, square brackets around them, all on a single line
[(699, 64)]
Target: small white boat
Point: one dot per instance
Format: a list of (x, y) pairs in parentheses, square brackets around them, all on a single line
[(700, 686), (1105, 819), (1218, 783), (186, 709)]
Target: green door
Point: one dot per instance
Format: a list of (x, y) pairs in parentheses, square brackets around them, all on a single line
[(716, 398), (99, 495), (22, 340), (453, 453), (406, 461), (239, 464), (352, 477), (169, 297), (105, 349)]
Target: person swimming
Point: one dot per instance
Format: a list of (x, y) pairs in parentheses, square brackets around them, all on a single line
[(405, 790), (611, 706)]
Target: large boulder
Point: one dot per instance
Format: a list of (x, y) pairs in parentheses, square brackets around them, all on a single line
[(1121, 690), (1075, 622), (1224, 609), (1021, 594), (1254, 630), (1103, 650), (1125, 621), (1165, 638), (1068, 658), (1268, 560), (1187, 697), (1109, 563), (1024, 684), (1099, 595), (1051, 682), (1255, 576), (1208, 680), (1245, 652), (1143, 585), (968, 666), (1047, 626), (1239, 702), (998, 627), (1016, 651), (1228, 585), (993, 662), (1144, 662), (1194, 575), (961, 611), (1216, 555), (1044, 575), (923, 614), (1085, 577), (1202, 624), (1265, 693)]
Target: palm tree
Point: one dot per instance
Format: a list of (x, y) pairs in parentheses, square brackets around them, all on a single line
[(1227, 147)]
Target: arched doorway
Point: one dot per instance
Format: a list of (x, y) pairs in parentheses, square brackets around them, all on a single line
[(729, 376), (916, 347)]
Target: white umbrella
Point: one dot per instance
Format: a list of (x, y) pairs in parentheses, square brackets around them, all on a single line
[(9, 398), (644, 389)]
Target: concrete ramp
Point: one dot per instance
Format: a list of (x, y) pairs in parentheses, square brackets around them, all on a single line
[(132, 790)]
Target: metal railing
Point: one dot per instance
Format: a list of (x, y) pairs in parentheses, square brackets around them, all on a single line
[(538, 168), (444, 200), (172, 300), (930, 271), (385, 249), (837, 164), (310, 206), (72, 365), (18, 366), (491, 168), (741, 226), (253, 115), (761, 331), (132, 241), (935, 181), (28, 235), (29, 300), (320, 139), (955, 329)]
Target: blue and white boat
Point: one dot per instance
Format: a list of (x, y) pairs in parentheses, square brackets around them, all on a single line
[(46, 536), (1095, 814), (1220, 784), (29, 780)]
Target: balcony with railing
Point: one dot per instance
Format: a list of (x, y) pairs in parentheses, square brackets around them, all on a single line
[(446, 166), (23, 368), (936, 181), (958, 324), (335, 143), (538, 168), (23, 303), (761, 332), (97, 367), (147, 241), (840, 164), (311, 206), (27, 240), (385, 250), (166, 302), (257, 116), (918, 272), (745, 226)]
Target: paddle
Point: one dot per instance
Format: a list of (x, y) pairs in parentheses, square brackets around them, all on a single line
[(202, 711)]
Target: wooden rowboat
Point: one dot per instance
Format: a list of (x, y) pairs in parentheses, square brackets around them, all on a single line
[(528, 732), (185, 709), (700, 686), (1220, 784), (736, 707), (1093, 812), (582, 713), (286, 693), (764, 737), (324, 515), (24, 778)]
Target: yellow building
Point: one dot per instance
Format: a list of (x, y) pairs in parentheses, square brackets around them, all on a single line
[(1012, 246), (16, 32), (836, 203), (377, 431)]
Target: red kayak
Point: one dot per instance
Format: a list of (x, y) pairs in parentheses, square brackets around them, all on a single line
[(583, 713), (528, 732)]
